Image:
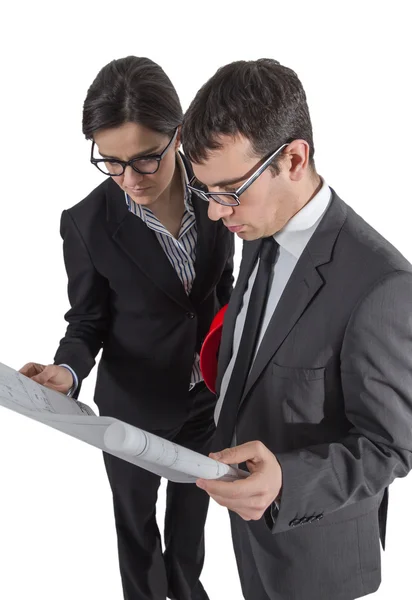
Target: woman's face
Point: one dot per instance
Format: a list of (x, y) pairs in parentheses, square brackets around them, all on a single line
[(131, 140)]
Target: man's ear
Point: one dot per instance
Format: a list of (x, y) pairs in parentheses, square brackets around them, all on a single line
[(297, 154)]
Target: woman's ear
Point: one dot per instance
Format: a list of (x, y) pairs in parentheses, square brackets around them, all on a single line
[(178, 138)]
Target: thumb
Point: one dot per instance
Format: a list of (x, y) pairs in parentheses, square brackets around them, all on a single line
[(249, 452), (45, 375)]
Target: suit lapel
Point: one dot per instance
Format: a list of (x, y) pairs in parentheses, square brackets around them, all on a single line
[(301, 288), (140, 244), (303, 285)]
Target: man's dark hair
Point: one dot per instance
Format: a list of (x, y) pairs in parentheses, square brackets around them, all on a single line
[(132, 89), (261, 100)]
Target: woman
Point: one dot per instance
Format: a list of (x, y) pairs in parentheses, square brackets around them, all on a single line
[(147, 271)]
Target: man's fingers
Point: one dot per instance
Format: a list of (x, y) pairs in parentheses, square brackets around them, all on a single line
[(234, 490), (253, 504), (251, 451), (248, 508)]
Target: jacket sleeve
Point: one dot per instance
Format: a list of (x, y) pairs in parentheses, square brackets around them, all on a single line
[(376, 375), (88, 291), (224, 287)]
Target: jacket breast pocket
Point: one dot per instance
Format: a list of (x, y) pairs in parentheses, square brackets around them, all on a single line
[(301, 393)]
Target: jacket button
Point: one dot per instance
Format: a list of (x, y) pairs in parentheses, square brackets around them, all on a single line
[(294, 523), (190, 315), (319, 517)]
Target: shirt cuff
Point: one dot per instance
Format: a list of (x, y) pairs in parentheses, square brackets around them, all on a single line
[(75, 380), (271, 513)]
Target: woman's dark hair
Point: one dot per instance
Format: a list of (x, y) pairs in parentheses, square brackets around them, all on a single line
[(261, 100), (132, 89)]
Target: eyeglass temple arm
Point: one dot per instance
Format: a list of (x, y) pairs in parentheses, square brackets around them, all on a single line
[(256, 174)]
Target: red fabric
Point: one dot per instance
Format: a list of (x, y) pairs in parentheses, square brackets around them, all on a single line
[(210, 349)]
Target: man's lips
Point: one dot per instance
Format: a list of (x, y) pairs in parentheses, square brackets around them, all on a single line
[(234, 228)]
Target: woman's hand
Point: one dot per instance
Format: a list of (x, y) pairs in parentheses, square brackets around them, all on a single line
[(52, 376)]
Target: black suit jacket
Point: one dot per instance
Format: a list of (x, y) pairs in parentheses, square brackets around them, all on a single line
[(126, 298), (330, 394)]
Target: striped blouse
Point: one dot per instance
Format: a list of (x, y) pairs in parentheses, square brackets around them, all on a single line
[(180, 251)]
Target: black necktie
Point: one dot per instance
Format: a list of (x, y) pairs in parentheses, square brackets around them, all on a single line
[(247, 347)]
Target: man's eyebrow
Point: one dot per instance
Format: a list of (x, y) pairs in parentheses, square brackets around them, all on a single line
[(227, 182), (224, 183), (147, 152)]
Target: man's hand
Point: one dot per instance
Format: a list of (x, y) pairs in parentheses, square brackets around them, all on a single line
[(52, 376), (249, 497)]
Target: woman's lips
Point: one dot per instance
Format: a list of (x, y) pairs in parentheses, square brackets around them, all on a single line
[(138, 192)]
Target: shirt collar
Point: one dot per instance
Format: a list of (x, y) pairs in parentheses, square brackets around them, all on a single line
[(297, 232)]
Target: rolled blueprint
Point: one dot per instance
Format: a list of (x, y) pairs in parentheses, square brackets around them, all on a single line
[(123, 438), (141, 448)]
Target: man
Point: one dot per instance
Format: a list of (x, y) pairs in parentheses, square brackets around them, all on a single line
[(315, 364), (147, 271)]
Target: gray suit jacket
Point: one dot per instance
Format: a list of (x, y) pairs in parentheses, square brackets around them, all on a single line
[(330, 394)]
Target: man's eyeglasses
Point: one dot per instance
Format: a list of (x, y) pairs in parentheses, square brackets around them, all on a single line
[(232, 198), (145, 165)]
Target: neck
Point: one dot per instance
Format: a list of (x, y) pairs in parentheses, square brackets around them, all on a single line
[(170, 204), (295, 199), (308, 190), (170, 207)]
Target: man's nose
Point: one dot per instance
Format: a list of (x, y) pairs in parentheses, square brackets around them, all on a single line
[(218, 211)]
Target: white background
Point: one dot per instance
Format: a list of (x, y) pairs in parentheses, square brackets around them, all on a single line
[(57, 537)]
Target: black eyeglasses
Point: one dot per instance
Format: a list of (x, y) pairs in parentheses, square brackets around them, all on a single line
[(145, 165), (232, 198)]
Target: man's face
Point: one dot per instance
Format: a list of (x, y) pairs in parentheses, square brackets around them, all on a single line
[(131, 140), (265, 207)]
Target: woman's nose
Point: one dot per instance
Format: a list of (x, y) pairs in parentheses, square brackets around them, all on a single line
[(132, 178)]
